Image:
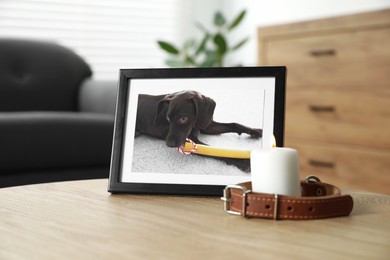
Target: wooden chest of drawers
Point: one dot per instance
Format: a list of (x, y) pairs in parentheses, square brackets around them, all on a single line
[(338, 96)]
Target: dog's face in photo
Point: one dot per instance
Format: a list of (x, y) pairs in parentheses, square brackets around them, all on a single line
[(185, 111)]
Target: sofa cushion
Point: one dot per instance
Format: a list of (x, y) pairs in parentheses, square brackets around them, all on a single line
[(44, 140), (13, 178), (39, 76)]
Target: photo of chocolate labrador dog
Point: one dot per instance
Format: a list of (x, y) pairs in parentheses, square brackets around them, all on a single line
[(180, 115)]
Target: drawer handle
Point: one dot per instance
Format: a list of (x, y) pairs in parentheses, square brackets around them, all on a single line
[(321, 53), (317, 108), (321, 164)]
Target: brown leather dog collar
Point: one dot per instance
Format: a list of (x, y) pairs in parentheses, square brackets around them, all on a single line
[(319, 200)]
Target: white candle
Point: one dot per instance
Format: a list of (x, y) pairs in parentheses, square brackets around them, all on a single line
[(276, 170)]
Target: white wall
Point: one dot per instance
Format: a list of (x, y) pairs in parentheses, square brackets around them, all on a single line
[(272, 12)]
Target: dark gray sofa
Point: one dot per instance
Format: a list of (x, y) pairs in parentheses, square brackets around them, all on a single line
[(56, 122)]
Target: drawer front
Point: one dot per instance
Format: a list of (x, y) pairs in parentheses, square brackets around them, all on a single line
[(357, 118), (349, 59), (345, 167)]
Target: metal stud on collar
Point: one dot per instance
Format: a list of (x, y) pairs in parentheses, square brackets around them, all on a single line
[(316, 179), (312, 177)]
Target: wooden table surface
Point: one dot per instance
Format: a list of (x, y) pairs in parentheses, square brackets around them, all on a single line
[(81, 220)]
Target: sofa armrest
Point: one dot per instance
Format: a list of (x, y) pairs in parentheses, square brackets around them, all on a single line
[(98, 96)]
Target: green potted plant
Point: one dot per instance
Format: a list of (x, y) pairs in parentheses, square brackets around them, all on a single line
[(211, 50)]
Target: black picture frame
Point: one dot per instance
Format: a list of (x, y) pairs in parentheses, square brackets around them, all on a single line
[(123, 119)]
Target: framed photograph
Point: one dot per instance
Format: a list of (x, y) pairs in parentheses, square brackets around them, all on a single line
[(159, 112)]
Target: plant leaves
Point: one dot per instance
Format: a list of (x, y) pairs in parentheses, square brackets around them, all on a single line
[(239, 44), (174, 63), (221, 44), (201, 27), (219, 19), (189, 43), (210, 60), (202, 44), (168, 47), (237, 20), (190, 61)]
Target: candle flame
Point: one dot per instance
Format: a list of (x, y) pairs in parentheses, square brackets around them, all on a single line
[(273, 141)]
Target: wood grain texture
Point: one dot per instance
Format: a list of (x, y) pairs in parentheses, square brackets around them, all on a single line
[(337, 95), (357, 60), (328, 25), (80, 220), (344, 166), (356, 118)]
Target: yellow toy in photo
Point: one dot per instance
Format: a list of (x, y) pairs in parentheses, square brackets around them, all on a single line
[(217, 152)]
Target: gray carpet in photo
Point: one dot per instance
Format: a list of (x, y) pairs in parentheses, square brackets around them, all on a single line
[(153, 156)]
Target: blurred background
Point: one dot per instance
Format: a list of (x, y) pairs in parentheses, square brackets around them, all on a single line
[(123, 33), (60, 60)]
